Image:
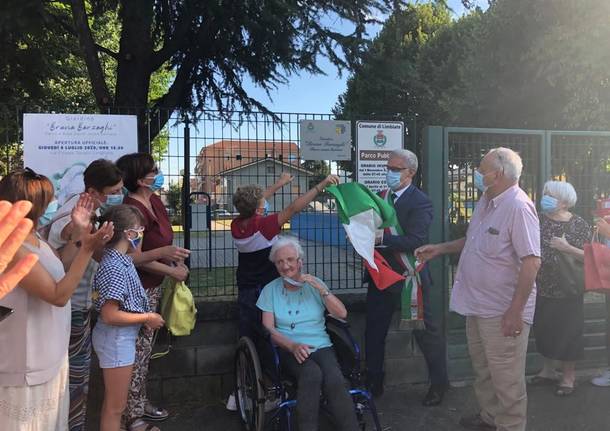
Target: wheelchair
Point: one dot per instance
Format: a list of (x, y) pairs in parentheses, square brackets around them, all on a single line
[(259, 381)]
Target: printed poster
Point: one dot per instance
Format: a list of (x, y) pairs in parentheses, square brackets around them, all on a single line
[(61, 146)]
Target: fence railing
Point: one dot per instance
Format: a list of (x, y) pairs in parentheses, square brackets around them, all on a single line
[(579, 157), (204, 159)]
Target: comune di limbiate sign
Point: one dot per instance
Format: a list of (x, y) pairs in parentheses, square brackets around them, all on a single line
[(375, 141)]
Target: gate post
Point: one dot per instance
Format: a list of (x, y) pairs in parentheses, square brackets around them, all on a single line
[(434, 177), (546, 164), (186, 188)]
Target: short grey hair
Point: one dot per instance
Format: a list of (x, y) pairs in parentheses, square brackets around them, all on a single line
[(562, 191), (408, 156), (286, 241), (509, 161)]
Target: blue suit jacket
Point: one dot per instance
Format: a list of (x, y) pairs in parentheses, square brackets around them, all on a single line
[(414, 210)]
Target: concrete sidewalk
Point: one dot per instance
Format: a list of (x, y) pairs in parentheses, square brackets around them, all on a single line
[(588, 409)]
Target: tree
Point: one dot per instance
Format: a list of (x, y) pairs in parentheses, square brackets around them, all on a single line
[(320, 170), (388, 80), (41, 67), (210, 45), (388, 85), (519, 64), (550, 74), (174, 202)]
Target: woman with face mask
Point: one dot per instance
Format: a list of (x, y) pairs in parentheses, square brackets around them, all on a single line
[(143, 181), (294, 307), (559, 317), (254, 231), (123, 306), (35, 337)]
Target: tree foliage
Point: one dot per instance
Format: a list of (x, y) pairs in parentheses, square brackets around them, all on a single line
[(42, 68), (210, 47), (519, 64), (320, 170)]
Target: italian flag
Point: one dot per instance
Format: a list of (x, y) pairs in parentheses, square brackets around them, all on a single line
[(363, 213)]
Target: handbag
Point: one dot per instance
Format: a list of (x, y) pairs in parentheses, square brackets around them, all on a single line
[(571, 272), (597, 267), (178, 308)]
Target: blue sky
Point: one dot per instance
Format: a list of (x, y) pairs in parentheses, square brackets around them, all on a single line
[(318, 93)]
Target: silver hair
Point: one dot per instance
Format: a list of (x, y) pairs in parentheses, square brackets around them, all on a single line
[(562, 191), (408, 156), (509, 161), (286, 241)]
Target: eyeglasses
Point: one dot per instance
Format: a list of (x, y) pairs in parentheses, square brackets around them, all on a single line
[(392, 169), (138, 229), (152, 174), (31, 174)]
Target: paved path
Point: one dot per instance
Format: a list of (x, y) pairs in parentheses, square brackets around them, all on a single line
[(587, 410)]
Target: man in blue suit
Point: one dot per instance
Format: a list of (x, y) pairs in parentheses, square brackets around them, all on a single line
[(415, 212)]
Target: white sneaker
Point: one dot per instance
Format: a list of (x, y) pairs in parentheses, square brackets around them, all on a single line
[(602, 380), (231, 404), (270, 405)]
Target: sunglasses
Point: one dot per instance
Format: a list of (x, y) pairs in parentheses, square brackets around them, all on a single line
[(29, 172)]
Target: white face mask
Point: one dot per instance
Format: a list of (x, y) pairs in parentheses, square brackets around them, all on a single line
[(293, 282)]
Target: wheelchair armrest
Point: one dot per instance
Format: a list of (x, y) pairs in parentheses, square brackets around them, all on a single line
[(343, 324), (264, 333)]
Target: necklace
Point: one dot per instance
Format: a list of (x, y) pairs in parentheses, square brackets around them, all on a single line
[(293, 309)]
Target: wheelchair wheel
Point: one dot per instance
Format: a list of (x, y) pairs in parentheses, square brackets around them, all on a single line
[(249, 392)]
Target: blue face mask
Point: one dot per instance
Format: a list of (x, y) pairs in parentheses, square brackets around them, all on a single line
[(157, 182), (393, 179), (49, 213), (135, 242), (548, 204), (479, 182), (112, 200)]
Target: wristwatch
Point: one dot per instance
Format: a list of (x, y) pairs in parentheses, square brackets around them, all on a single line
[(325, 293)]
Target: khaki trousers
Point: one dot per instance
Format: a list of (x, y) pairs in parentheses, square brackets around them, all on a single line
[(499, 368)]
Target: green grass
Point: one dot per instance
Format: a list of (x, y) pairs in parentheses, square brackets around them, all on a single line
[(213, 283)]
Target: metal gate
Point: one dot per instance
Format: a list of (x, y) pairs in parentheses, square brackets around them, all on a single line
[(205, 158), (582, 158), (255, 148)]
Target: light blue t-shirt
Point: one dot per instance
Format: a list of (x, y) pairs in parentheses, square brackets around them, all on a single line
[(299, 315)]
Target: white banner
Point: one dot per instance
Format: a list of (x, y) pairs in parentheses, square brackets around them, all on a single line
[(375, 141), (60, 146)]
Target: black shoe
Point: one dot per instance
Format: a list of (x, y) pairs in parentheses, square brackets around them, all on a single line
[(435, 395), (476, 422)]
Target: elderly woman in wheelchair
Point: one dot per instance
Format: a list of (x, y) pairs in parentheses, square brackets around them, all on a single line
[(294, 308)]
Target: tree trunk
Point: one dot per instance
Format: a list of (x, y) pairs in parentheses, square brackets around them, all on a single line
[(134, 65)]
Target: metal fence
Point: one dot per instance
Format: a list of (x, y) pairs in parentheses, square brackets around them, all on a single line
[(466, 148), (582, 158), (204, 159), (255, 148)]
